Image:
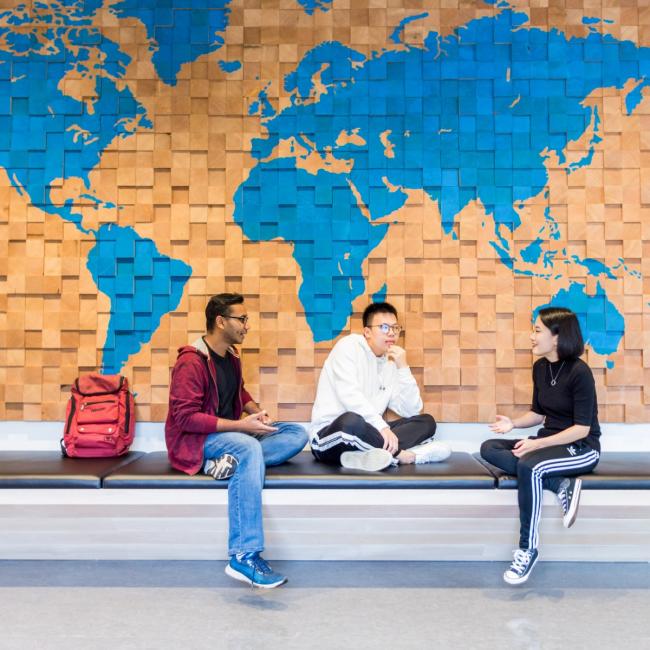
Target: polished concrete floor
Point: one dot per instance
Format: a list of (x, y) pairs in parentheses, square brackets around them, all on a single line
[(132, 605)]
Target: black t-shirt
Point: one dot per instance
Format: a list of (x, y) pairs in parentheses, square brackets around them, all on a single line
[(227, 385), (572, 400)]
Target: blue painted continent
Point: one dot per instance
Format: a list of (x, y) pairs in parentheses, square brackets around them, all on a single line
[(180, 30), (331, 238), (46, 135), (143, 286), (471, 116), (601, 323)]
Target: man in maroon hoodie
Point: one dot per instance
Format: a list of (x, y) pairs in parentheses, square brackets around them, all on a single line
[(205, 431)]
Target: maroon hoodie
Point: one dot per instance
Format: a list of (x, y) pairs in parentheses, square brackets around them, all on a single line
[(193, 405)]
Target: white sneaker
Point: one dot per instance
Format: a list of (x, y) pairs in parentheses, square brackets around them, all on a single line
[(372, 460), (431, 452)]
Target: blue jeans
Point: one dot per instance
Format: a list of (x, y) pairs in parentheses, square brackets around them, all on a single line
[(246, 534)]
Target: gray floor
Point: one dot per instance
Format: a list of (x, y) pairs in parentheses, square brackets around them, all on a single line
[(123, 605)]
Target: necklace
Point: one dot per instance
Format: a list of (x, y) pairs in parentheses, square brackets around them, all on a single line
[(550, 369)]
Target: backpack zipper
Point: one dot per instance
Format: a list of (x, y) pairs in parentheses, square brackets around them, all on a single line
[(86, 405), (128, 413), (72, 410)]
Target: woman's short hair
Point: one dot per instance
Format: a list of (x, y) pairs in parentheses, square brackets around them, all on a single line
[(564, 323), (219, 305)]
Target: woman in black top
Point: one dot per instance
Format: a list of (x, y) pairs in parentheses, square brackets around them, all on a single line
[(564, 401)]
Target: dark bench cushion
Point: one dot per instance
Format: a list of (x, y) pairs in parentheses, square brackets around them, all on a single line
[(48, 469), (616, 470), (460, 471)]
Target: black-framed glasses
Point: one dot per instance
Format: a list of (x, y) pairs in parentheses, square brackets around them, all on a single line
[(242, 319), (384, 328)]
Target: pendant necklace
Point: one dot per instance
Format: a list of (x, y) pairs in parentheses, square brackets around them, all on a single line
[(550, 369)]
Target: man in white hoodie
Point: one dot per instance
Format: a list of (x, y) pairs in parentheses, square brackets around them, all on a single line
[(363, 376)]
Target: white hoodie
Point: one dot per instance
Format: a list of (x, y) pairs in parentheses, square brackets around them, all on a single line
[(355, 379)]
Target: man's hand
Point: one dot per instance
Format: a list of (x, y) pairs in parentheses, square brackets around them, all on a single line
[(503, 424), (391, 443), (255, 423), (265, 418), (398, 355), (523, 447)]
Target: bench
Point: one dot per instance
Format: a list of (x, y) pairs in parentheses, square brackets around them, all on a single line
[(137, 507)]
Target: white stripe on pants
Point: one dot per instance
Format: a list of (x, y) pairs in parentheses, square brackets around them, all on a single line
[(566, 466)]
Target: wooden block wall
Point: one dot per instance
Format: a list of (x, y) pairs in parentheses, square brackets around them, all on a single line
[(467, 317)]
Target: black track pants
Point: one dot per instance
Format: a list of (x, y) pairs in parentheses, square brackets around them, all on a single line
[(350, 432), (537, 470)]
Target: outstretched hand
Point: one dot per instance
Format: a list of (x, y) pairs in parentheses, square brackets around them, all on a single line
[(503, 424)]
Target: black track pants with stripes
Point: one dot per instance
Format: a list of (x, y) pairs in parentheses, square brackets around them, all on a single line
[(544, 468), (350, 432)]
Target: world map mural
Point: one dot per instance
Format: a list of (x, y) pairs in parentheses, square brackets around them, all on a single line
[(452, 154)]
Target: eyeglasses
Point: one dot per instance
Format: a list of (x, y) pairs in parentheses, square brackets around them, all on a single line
[(242, 319), (384, 328)]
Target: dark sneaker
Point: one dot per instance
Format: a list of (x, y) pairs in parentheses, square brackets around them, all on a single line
[(221, 468), (569, 498), (521, 567), (253, 569)]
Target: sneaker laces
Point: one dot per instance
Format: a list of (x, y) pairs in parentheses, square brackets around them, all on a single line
[(259, 564), (563, 496), (263, 565), (521, 559)]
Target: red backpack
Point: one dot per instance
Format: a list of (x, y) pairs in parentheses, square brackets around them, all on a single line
[(100, 417)]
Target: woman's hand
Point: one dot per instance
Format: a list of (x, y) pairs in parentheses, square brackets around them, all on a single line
[(523, 447), (503, 424)]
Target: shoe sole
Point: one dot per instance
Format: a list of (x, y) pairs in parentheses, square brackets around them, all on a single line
[(520, 581), (233, 573), (225, 472), (569, 519), (372, 460)]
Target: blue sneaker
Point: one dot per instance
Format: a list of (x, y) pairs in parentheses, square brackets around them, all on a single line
[(253, 569)]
